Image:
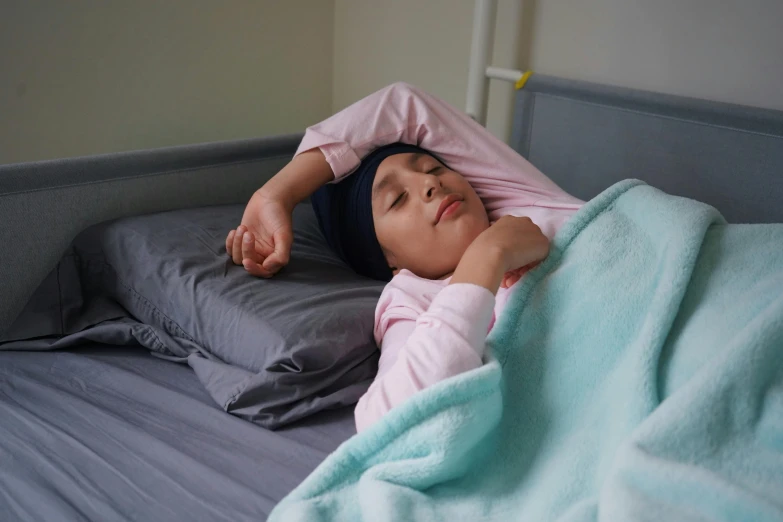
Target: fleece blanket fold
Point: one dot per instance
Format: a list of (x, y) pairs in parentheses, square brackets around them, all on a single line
[(636, 374)]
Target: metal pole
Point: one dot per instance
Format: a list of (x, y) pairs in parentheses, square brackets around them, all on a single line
[(480, 55)]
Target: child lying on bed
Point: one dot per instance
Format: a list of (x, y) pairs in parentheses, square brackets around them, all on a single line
[(428, 200)]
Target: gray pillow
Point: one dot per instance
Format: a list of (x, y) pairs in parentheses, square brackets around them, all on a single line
[(268, 350)]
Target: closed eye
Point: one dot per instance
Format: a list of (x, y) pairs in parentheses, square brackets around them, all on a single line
[(433, 170), (398, 200)]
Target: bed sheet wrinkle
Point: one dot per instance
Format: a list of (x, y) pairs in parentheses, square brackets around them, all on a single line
[(82, 425), (74, 413), (141, 421), (33, 502), (120, 449), (13, 503), (52, 465)]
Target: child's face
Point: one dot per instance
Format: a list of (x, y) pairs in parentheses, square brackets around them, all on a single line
[(408, 192)]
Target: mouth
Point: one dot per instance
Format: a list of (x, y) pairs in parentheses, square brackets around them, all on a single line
[(447, 206)]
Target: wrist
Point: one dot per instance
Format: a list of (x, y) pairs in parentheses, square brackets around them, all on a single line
[(482, 267), (496, 256), (299, 179), (275, 194)]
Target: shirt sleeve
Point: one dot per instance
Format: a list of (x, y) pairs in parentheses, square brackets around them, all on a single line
[(401, 112), (416, 352)]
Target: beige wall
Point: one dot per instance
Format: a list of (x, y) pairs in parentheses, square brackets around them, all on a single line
[(727, 51), (83, 77)]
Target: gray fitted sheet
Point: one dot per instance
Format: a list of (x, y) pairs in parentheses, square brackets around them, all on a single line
[(106, 433)]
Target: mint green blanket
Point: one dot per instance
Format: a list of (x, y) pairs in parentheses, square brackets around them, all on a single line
[(637, 374)]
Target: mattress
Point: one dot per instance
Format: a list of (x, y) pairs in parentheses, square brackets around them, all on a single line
[(107, 433)]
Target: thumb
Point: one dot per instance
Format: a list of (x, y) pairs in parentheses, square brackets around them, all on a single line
[(279, 258)]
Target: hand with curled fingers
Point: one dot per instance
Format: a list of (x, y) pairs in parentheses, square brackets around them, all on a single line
[(502, 254), (262, 242), (521, 242)]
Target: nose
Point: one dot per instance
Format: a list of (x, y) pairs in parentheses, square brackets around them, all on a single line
[(430, 186)]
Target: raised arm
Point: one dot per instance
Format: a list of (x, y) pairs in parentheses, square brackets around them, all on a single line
[(403, 113), (504, 180)]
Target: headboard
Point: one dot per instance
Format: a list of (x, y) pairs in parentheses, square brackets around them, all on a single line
[(586, 137), (43, 205)]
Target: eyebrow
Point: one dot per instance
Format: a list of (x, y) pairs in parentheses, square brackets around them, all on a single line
[(385, 182), (392, 177), (414, 158)]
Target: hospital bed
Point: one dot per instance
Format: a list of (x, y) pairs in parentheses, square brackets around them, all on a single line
[(101, 432)]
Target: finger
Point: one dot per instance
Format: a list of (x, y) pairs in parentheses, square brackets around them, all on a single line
[(256, 269), (230, 242), (511, 277), (249, 249), (236, 250), (280, 257), (504, 282)]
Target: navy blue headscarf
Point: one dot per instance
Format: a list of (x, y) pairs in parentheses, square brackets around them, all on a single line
[(344, 212)]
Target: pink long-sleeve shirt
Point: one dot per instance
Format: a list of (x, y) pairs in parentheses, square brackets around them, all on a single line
[(429, 330)]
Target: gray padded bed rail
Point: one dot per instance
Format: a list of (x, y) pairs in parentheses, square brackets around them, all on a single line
[(586, 136), (43, 205)]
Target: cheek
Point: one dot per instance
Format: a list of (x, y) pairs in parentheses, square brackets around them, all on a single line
[(470, 228), (400, 232), (478, 212)]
